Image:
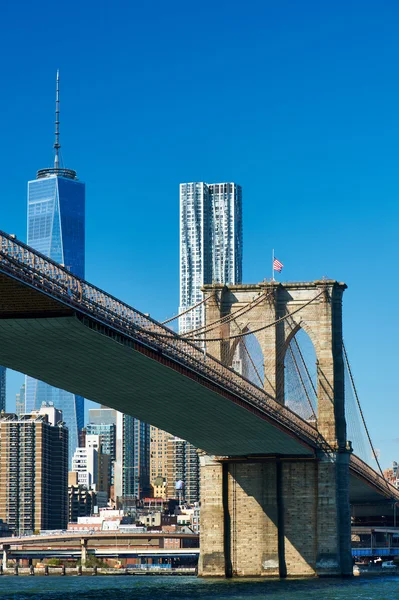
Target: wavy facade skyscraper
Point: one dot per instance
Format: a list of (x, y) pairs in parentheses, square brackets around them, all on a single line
[(210, 243), (210, 252), (56, 227)]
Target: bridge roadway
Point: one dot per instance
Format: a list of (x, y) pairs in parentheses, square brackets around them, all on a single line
[(115, 544), (366, 541), (70, 334)]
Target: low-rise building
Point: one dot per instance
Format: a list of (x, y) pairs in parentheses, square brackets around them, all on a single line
[(81, 500), (159, 487)]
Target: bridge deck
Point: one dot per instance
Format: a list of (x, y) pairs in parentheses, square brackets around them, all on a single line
[(71, 335)]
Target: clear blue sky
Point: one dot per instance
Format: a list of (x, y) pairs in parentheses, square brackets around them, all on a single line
[(296, 101)]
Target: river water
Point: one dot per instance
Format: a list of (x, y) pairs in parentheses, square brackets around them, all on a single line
[(191, 588)]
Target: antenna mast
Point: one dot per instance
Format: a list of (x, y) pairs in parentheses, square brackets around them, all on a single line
[(57, 144), (57, 170)]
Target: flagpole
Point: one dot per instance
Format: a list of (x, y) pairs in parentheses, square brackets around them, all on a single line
[(273, 264)]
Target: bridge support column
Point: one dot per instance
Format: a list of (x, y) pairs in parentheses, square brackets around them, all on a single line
[(334, 556), (275, 517), (6, 550), (212, 561), (83, 555)]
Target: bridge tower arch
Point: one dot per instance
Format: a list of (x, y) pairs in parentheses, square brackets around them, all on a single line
[(270, 515), (315, 307)]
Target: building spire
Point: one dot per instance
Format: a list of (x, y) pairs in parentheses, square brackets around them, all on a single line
[(57, 145), (57, 170)]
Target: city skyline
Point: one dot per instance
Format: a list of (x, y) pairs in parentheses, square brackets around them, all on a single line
[(309, 130), (213, 138)]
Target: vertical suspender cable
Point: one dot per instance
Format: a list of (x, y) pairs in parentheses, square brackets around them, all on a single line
[(361, 412)]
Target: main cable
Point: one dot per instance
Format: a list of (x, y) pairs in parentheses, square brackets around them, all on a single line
[(186, 311)]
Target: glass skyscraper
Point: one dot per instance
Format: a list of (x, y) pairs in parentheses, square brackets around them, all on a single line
[(2, 388), (210, 243), (56, 227), (102, 422), (132, 467)]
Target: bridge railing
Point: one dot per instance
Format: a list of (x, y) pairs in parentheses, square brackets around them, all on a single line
[(36, 270)]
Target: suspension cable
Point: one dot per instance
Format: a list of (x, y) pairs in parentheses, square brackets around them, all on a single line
[(302, 381), (227, 318), (186, 311), (303, 360), (277, 322), (251, 359), (361, 412)]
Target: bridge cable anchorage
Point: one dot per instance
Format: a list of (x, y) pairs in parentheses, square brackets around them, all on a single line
[(227, 318), (249, 332), (187, 310), (361, 413)]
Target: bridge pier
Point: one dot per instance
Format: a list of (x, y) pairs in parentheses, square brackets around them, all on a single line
[(6, 551), (83, 555), (270, 517)]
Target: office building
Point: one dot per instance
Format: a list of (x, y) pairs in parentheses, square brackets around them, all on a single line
[(107, 435), (2, 388), (210, 243), (93, 468), (20, 401), (53, 413), (81, 501), (33, 473), (102, 422), (183, 474), (85, 462), (158, 454), (132, 467), (102, 416), (56, 227), (103, 486)]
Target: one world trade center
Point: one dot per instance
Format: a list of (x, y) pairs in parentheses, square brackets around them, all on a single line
[(56, 228)]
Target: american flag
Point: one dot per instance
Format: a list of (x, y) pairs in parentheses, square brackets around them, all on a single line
[(277, 265)]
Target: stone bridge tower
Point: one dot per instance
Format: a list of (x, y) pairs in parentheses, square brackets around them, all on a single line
[(299, 509)]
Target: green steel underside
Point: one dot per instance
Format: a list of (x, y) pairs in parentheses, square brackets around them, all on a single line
[(362, 493), (66, 353)]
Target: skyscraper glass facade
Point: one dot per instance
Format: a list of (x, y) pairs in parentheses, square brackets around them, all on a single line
[(132, 468), (56, 227), (225, 225), (107, 434), (2, 388), (210, 243), (20, 401)]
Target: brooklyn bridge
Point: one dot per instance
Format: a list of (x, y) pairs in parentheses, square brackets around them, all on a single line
[(264, 389)]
